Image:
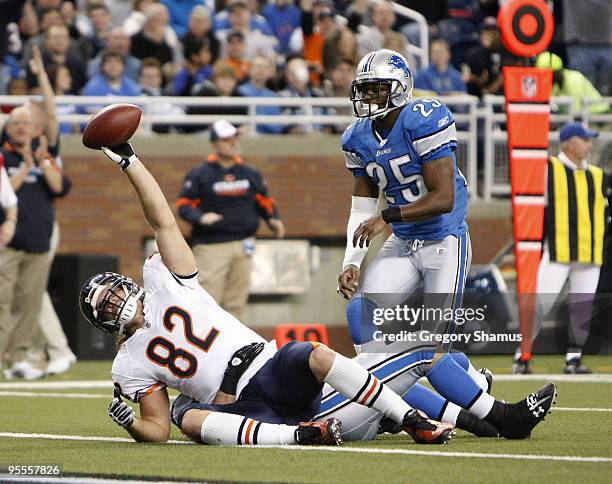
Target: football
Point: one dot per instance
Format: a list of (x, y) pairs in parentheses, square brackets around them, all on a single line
[(112, 126)]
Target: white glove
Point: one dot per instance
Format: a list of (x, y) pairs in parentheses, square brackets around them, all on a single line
[(121, 412), (123, 155)]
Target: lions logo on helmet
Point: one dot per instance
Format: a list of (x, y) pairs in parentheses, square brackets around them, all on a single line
[(383, 83), (109, 301), (399, 63)]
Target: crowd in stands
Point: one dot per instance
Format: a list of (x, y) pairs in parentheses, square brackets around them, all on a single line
[(300, 48)]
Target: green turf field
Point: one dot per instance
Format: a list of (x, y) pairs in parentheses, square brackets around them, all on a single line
[(579, 427)]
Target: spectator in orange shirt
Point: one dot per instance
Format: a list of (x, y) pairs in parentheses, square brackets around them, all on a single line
[(236, 48), (318, 24)]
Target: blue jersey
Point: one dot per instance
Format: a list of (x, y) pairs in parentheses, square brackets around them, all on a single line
[(424, 131)]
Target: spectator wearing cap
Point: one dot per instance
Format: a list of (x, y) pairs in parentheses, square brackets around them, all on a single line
[(196, 70), (223, 199), (284, 18), (262, 70), (482, 67), (440, 76), (200, 27), (574, 232), (235, 55), (258, 41), (319, 28), (567, 82)]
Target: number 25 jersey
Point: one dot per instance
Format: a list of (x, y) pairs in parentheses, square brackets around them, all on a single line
[(186, 342), (423, 131)]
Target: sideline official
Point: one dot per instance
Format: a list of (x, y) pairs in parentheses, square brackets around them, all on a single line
[(223, 199), (574, 230)]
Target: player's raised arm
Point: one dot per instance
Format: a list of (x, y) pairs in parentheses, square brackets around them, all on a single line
[(173, 247)]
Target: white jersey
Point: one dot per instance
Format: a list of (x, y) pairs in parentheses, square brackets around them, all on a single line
[(186, 342)]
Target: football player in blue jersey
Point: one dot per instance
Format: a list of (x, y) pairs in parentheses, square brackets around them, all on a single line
[(406, 149)]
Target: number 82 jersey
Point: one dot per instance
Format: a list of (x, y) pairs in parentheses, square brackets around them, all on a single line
[(423, 131)]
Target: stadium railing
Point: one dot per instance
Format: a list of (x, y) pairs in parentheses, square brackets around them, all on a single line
[(496, 178), (336, 112)]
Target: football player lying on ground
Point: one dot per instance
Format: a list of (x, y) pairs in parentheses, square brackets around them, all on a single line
[(278, 394)]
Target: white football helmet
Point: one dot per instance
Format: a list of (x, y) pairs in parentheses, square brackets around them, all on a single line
[(109, 301), (383, 83)]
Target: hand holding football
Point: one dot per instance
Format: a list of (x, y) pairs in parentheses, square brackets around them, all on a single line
[(112, 126)]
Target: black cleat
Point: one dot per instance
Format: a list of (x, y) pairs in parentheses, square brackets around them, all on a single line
[(521, 368), (519, 419), (388, 426), (489, 376), (328, 432), (575, 367), (474, 425), (424, 430)]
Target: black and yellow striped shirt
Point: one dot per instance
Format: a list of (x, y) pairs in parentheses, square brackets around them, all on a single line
[(575, 215)]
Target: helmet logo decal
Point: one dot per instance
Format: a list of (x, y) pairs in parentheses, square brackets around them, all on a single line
[(396, 62)]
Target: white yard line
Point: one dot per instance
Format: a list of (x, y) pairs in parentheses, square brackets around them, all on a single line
[(85, 384), (358, 450), (55, 385), (172, 397), (59, 395)]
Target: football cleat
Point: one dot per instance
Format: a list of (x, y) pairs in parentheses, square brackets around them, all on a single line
[(489, 376), (575, 367), (472, 424), (426, 431), (388, 426), (328, 432), (521, 368), (519, 419)]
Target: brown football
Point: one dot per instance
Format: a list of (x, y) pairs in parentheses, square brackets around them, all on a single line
[(112, 126)]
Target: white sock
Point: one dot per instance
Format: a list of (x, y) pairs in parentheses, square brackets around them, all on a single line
[(355, 382), (482, 406), (478, 377), (451, 412), (229, 429)]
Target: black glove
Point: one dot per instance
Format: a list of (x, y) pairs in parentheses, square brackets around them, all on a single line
[(123, 155), (236, 367), (121, 413)]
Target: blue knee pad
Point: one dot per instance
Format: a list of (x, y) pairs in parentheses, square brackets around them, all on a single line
[(360, 318), (426, 400)]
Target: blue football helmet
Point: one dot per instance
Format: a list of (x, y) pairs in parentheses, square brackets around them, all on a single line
[(383, 83)]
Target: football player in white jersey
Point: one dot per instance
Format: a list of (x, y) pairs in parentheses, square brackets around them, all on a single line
[(178, 337)]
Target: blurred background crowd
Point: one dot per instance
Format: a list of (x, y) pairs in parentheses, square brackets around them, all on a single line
[(301, 48)]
